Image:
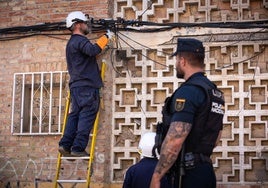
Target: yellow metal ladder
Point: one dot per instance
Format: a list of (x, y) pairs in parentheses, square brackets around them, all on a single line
[(92, 147)]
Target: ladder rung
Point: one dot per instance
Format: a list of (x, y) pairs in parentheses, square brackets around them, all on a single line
[(75, 158), (71, 181)]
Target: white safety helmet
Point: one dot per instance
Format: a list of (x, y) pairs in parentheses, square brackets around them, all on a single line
[(146, 144), (75, 17)]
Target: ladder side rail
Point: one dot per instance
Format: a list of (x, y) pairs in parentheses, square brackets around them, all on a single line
[(95, 129), (63, 129), (93, 140)]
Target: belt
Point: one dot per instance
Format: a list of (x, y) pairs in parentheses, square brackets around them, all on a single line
[(201, 158), (192, 159)]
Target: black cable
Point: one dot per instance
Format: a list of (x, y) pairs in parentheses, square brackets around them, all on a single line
[(130, 25), (242, 61), (223, 67), (169, 26), (143, 44), (57, 26), (143, 54), (119, 25), (151, 3), (238, 41), (250, 87), (216, 69), (137, 97), (112, 62), (8, 38)]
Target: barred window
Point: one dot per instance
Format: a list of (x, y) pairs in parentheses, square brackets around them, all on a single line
[(38, 102)]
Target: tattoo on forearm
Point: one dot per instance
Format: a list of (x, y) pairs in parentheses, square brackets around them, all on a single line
[(179, 129), (171, 146)]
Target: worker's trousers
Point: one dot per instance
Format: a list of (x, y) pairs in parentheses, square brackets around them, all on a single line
[(84, 107)]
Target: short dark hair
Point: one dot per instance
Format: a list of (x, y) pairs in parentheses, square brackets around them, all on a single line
[(195, 59)]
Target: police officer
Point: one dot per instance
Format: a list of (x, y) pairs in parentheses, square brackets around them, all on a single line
[(139, 175), (194, 114), (85, 81)]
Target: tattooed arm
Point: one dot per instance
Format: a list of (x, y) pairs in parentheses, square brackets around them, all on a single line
[(171, 147)]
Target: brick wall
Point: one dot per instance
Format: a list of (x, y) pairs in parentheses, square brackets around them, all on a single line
[(23, 13), (29, 159)]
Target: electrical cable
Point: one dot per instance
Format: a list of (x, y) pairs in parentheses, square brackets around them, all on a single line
[(216, 69), (124, 25), (9, 38), (238, 41), (223, 67), (129, 25), (143, 111), (253, 79), (121, 25), (143, 44), (239, 62), (129, 75), (112, 62), (142, 53), (151, 3), (128, 72), (15, 33), (256, 55)]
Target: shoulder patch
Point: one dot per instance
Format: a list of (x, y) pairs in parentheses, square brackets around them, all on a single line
[(179, 104)]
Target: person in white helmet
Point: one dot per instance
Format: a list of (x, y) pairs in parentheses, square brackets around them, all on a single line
[(85, 82), (139, 175)]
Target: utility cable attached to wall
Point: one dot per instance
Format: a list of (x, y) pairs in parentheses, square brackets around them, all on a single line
[(120, 24)]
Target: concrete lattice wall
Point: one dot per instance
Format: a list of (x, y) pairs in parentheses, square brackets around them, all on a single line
[(234, 61), (136, 86)]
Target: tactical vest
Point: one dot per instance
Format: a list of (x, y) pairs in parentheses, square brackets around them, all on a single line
[(207, 121)]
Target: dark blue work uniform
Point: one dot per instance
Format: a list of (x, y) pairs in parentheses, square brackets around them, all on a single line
[(188, 101), (85, 81), (140, 174)]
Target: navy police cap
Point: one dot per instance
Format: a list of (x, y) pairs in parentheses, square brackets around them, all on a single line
[(189, 45)]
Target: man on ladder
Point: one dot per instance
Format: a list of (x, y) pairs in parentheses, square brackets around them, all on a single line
[(85, 82)]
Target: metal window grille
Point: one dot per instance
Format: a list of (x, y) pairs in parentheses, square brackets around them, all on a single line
[(38, 102)]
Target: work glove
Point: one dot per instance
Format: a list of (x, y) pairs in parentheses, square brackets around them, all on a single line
[(102, 41)]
